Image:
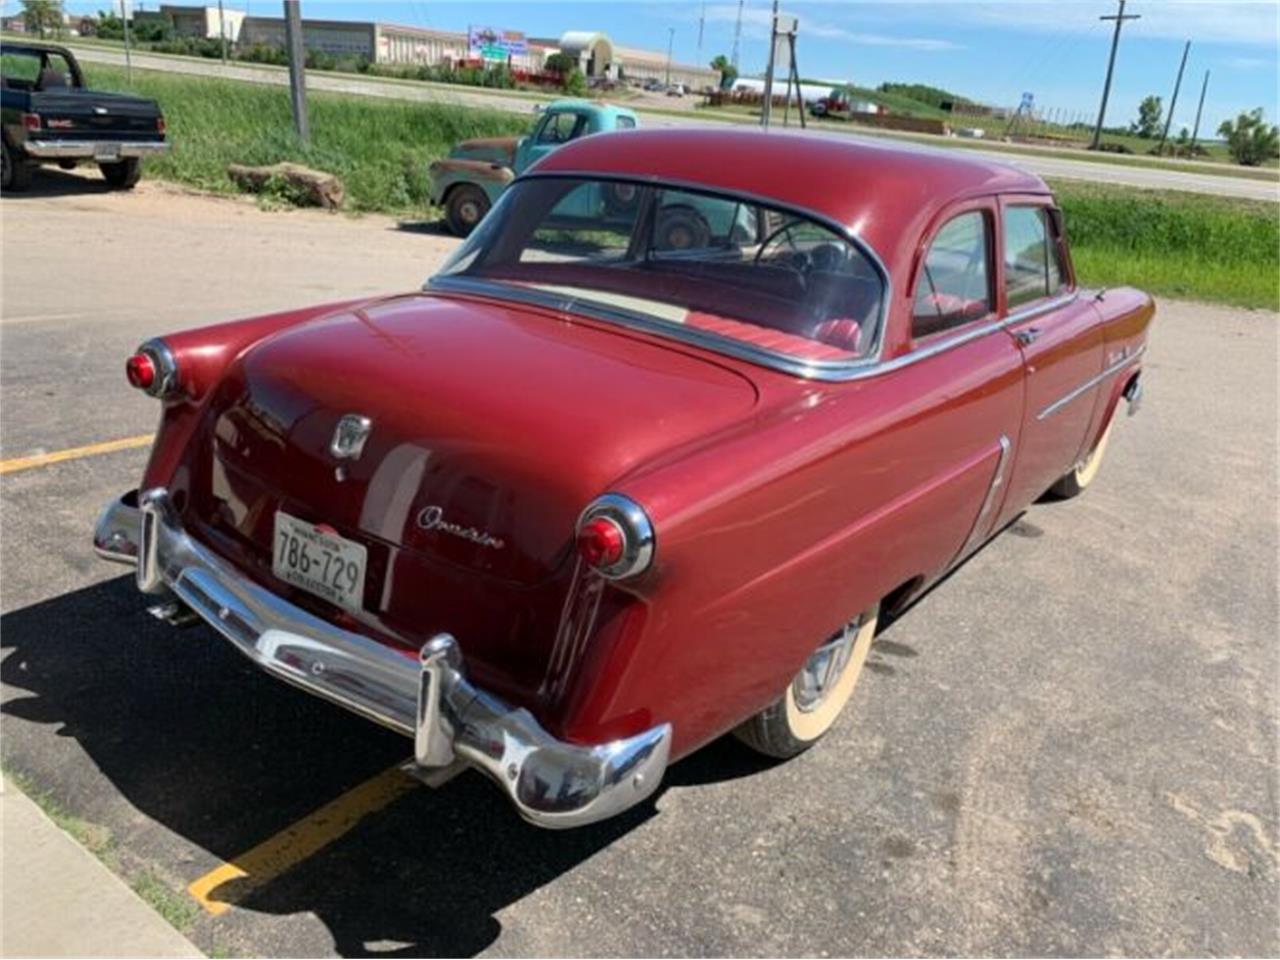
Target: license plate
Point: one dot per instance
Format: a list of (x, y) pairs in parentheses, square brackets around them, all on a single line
[(106, 152), (320, 562)]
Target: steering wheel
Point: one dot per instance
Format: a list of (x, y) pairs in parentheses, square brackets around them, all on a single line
[(798, 261)]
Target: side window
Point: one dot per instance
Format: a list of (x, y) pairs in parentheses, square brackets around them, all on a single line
[(562, 127), (20, 69), (1032, 260), (954, 284)]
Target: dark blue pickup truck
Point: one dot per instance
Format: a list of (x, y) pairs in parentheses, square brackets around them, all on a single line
[(49, 116)]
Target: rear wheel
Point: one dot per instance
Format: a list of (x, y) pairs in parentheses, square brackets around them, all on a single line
[(682, 228), (816, 695), (123, 174), (16, 172), (466, 207), (1074, 483), (620, 197)]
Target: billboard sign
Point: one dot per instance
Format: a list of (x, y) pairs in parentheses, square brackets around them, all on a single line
[(491, 44)]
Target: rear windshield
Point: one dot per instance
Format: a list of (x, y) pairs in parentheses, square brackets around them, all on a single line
[(735, 270)]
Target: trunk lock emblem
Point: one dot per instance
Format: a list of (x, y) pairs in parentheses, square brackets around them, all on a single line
[(349, 436)]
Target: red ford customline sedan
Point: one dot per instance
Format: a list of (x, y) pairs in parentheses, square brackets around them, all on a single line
[(639, 466)]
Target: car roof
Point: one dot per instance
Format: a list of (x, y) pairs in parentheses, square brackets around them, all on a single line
[(886, 193), (577, 103), (41, 45)]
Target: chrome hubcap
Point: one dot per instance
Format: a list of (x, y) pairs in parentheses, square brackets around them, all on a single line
[(470, 212), (824, 668)]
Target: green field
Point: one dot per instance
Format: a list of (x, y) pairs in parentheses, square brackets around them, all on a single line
[(380, 148), (1169, 243), (1174, 244)]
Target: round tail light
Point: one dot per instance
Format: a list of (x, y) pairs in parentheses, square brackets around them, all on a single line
[(153, 369), (140, 371), (601, 542), (615, 537)]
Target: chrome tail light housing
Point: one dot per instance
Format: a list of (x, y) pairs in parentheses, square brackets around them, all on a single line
[(615, 537), (153, 369)]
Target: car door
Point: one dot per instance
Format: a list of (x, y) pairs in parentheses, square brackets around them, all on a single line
[(557, 128), (1061, 340)]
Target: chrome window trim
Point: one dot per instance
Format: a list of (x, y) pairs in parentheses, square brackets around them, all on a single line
[(1089, 384)]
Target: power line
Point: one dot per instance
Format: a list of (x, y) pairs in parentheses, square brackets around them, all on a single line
[(1119, 18)]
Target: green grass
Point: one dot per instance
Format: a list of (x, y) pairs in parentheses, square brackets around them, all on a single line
[(175, 906), (380, 148), (1174, 244), (93, 837)]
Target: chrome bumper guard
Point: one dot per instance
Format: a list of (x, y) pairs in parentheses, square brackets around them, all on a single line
[(550, 782), (89, 149)]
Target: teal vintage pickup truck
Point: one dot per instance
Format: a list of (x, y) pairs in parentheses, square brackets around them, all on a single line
[(471, 178)]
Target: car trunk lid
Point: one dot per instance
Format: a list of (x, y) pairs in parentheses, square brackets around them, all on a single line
[(491, 428)]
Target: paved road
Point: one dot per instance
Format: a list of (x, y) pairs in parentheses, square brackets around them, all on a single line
[(1194, 179), (1070, 747)]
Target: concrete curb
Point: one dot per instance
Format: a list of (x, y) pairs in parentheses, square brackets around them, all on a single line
[(58, 900)]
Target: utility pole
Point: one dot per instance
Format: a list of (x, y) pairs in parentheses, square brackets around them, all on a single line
[(1173, 101), (768, 77), (128, 58), (737, 36), (1195, 132), (1119, 18), (702, 22), (297, 68), (222, 32), (671, 39)]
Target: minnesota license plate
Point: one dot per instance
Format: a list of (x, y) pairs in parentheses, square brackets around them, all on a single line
[(320, 562)]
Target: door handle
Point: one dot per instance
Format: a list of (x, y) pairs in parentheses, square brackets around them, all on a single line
[(1028, 336)]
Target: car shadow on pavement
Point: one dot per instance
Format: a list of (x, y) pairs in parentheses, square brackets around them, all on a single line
[(430, 228), (201, 742), (54, 182)]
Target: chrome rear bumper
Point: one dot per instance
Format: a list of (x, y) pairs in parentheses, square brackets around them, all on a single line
[(90, 149), (551, 783)]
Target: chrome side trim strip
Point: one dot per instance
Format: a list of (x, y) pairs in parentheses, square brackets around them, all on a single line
[(978, 533), (1089, 384)]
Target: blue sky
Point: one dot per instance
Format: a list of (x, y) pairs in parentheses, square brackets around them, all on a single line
[(988, 51)]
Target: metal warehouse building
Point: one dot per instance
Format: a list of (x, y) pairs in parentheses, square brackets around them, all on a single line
[(595, 52)]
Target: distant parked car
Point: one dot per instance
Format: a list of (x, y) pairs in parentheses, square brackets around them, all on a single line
[(49, 116), (592, 500), (676, 90), (470, 179)]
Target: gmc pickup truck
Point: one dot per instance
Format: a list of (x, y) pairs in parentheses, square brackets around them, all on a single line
[(48, 116)]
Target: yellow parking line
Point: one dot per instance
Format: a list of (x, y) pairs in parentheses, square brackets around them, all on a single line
[(291, 846), (75, 453)]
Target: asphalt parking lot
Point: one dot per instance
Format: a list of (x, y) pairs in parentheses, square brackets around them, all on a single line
[(1068, 748)]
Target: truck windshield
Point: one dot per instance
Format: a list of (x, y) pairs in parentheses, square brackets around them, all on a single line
[(738, 272)]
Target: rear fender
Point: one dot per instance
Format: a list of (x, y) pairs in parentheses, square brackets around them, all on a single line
[(1126, 316), (201, 355)]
